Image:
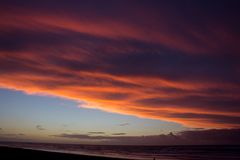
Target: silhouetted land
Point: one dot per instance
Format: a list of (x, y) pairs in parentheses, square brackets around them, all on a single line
[(27, 154)]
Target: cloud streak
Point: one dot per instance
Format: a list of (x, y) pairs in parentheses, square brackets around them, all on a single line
[(124, 124), (96, 133), (146, 59), (39, 127), (118, 134), (194, 137)]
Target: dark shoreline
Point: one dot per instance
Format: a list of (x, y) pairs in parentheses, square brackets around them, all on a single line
[(13, 153)]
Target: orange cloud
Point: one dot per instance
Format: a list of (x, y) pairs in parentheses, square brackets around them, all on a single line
[(150, 64)]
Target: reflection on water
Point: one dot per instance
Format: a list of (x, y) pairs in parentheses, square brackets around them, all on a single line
[(141, 152)]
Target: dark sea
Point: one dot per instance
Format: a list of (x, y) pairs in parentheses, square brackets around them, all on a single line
[(204, 152)]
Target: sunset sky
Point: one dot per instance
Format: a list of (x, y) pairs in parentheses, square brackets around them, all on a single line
[(89, 71)]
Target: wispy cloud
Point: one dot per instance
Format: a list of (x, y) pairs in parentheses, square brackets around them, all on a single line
[(202, 137), (21, 134), (82, 136), (39, 127), (124, 124), (64, 125), (12, 135), (118, 134), (96, 132)]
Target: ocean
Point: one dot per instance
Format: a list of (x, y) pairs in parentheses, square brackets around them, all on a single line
[(204, 152)]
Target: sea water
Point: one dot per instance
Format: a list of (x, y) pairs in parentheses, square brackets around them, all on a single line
[(204, 152)]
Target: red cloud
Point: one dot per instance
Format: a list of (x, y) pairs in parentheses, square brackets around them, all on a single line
[(151, 64)]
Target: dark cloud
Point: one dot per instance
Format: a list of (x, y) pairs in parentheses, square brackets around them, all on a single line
[(214, 118), (115, 96), (177, 66), (39, 127), (82, 136), (12, 135), (64, 125), (196, 137), (96, 132), (21, 134), (124, 124), (209, 102), (198, 128), (214, 136), (118, 134)]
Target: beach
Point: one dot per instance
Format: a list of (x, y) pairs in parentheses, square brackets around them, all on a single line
[(12, 153)]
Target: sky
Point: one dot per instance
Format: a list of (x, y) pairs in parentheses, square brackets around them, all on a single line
[(110, 71)]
